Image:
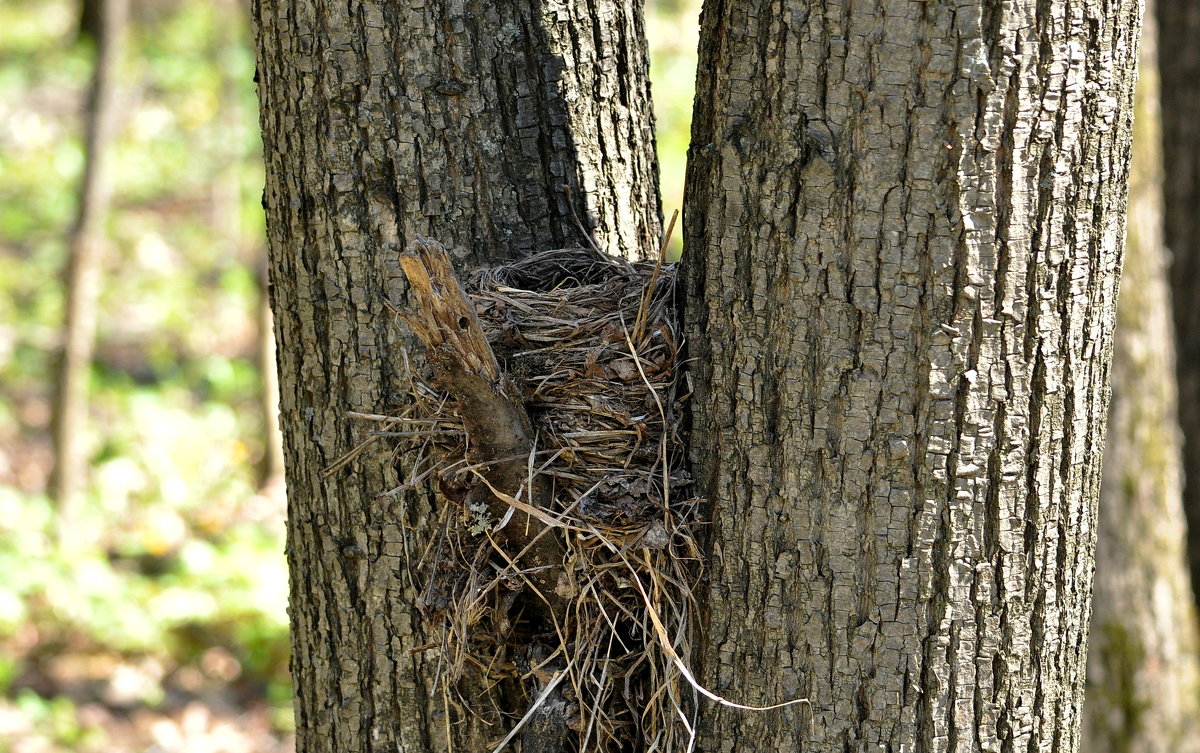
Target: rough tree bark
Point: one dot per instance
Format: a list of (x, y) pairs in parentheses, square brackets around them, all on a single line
[(82, 279), (1143, 670), (382, 121), (1179, 24), (904, 230)]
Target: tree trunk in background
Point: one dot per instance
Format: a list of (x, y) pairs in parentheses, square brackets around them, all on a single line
[(85, 248), (271, 467), (1143, 677), (458, 121), (90, 18), (1179, 63), (903, 239)]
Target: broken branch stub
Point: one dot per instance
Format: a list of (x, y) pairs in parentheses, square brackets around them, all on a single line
[(446, 321), (499, 435)]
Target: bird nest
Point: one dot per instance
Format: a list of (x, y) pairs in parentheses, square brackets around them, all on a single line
[(575, 583)]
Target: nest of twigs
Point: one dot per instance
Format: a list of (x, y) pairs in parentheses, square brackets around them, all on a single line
[(590, 345)]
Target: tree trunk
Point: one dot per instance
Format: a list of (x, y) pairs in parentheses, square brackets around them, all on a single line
[(1143, 678), (381, 121), (904, 231), (1179, 22), (85, 248), (270, 468)]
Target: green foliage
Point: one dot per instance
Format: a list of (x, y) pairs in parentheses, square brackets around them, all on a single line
[(181, 554), (160, 586), (55, 719), (673, 30)]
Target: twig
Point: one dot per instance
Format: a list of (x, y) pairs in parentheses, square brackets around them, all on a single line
[(546, 691), (639, 327)]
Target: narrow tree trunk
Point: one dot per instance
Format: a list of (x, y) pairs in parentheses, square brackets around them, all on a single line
[(1179, 22), (271, 466), (90, 19), (382, 121), (85, 247), (1143, 678), (904, 231)]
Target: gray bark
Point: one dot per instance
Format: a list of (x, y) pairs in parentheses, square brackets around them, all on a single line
[(1143, 673), (903, 237), (458, 121), (1179, 22)]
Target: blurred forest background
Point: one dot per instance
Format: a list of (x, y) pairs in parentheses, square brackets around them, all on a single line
[(148, 612)]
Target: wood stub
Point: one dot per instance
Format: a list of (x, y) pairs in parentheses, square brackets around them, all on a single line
[(499, 435), (446, 319)]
